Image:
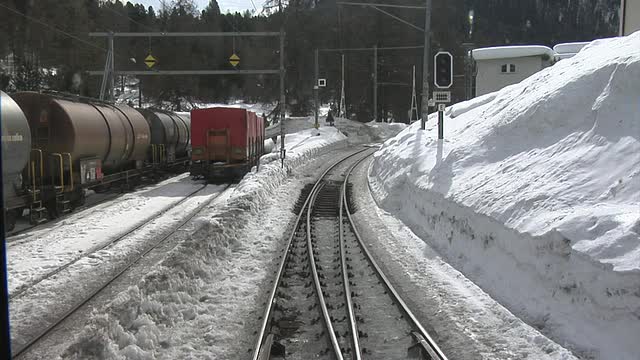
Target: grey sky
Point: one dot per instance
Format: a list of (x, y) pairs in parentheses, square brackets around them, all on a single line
[(225, 5)]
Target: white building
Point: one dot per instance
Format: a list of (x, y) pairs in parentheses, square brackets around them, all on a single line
[(568, 50), (629, 17), (501, 66)]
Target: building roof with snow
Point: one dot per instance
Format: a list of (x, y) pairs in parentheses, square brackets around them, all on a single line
[(570, 48), (515, 51)]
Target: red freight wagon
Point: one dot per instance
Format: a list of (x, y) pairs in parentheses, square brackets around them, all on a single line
[(225, 142)]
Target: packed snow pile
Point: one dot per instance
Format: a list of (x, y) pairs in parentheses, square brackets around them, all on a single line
[(302, 141), (535, 195), (194, 303)]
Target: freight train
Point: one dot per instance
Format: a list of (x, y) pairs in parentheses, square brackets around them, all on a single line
[(55, 146), (226, 142)]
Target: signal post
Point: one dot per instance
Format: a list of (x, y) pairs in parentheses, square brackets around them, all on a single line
[(443, 79)]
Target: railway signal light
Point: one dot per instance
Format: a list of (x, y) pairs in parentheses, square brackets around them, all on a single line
[(443, 70)]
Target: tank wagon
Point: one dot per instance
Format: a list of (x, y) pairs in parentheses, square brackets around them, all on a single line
[(16, 147), (72, 144), (226, 142), (170, 134)]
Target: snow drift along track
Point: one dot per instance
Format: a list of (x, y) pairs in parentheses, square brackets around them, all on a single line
[(21, 290), (23, 347)]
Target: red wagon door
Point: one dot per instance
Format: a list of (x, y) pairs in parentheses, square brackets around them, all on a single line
[(218, 145)]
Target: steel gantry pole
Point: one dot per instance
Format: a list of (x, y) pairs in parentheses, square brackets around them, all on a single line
[(316, 89), (425, 64), (112, 70), (375, 82), (283, 151), (342, 112)]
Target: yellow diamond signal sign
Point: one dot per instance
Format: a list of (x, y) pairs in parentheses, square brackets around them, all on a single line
[(150, 61), (234, 60)]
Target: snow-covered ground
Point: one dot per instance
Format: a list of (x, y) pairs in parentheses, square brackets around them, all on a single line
[(357, 132), (35, 253), (466, 323), (197, 299), (43, 302), (259, 108), (534, 195)]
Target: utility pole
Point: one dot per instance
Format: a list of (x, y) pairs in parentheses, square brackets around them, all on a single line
[(283, 151), (108, 76), (427, 42), (342, 108), (425, 64), (414, 100), (112, 73), (139, 92), (375, 50), (375, 83), (316, 89)]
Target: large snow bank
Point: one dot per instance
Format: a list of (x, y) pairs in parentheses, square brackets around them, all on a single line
[(535, 195), (203, 299)]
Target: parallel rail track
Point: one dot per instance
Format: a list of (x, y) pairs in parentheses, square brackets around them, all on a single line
[(21, 349), (363, 315), (12, 235), (23, 289)]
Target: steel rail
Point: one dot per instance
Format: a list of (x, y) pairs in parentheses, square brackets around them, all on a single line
[(19, 292), (11, 235), (432, 349), (316, 280), (259, 351), (355, 342), (22, 349)]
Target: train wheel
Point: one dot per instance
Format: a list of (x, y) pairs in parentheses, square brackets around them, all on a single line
[(79, 198), (52, 209), (102, 188), (10, 218)]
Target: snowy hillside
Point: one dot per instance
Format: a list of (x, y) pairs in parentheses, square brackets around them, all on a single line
[(537, 191)]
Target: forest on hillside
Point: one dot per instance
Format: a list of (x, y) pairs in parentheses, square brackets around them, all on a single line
[(44, 43)]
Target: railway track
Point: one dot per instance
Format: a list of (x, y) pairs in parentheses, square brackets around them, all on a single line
[(330, 299), (20, 349), (13, 236), (17, 293)]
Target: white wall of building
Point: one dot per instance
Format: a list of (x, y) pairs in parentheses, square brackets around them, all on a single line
[(631, 16), (490, 77)]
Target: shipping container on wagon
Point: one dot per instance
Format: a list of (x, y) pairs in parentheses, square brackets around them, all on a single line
[(224, 142), (261, 134)]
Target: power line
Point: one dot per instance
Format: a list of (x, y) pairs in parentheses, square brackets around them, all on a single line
[(254, 6), (53, 28)]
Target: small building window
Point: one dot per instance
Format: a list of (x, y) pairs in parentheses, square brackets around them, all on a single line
[(508, 68)]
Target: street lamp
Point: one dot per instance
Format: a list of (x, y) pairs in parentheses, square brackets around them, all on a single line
[(471, 14), (469, 46)]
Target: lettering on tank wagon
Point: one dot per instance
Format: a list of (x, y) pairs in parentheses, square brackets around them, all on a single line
[(12, 138)]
